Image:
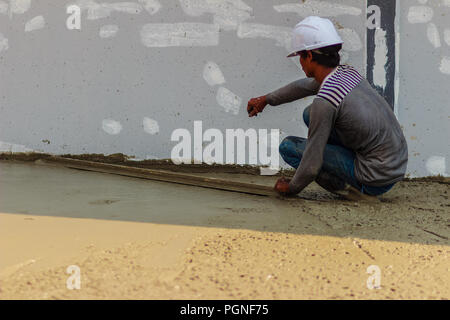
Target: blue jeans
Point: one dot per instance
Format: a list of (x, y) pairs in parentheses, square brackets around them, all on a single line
[(338, 163)]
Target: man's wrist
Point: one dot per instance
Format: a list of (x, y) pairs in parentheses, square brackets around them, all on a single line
[(267, 100)]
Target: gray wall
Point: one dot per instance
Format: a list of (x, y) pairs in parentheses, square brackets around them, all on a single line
[(60, 87), (424, 84)]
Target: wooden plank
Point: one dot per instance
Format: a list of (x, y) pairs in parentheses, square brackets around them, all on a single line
[(165, 176)]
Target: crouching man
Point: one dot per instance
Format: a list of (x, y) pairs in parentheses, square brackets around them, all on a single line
[(355, 145)]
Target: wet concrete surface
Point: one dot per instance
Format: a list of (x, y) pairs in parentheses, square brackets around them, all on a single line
[(28, 188)]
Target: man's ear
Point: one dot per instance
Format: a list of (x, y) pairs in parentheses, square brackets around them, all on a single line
[(309, 53)]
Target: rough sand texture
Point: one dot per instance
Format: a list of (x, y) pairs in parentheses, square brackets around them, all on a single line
[(148, 240)]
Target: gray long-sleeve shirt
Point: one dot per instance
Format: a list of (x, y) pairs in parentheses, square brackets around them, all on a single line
[(362, 120)]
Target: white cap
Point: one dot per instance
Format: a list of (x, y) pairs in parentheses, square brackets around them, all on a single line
[(313, 33)]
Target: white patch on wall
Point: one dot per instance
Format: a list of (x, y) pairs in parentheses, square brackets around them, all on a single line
[(147, 157), (228, 100), (3, 43), (433, 35), (3, 7), (318, 8), (94, 10), (111, 126), (212, 74), (35, 24), (150, 126), (352, 41), (108, 31), (423, 1), (436, 166), (151, 6), (179, 35), (12, 147), (19, 6), (125, 7), (447, 36), (446, 3), (228, 14), (282, 35), (445, 65), (103, 10), (420, 14), (381, 52)]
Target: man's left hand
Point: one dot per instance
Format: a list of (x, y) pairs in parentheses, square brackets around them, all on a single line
[(282, 186)]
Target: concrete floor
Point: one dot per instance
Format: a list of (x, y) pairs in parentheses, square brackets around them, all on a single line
[(50, 216)]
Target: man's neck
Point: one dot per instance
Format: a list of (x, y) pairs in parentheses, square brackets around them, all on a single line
[(321, 73)]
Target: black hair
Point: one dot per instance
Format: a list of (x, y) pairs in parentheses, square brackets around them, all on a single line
[(328, 56)]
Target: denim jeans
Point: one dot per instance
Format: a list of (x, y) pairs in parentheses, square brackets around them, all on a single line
[(338, 162)]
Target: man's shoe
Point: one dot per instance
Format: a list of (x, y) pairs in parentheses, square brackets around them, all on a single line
[(352, 194)]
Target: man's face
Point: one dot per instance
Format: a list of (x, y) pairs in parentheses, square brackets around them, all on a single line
[(306, 64)]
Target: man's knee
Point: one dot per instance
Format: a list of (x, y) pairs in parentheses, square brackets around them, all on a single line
[(306, 114), (286, 146)]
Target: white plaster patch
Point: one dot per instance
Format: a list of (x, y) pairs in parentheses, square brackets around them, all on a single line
[(446, 3), (281, 35), (212, 74), (436, 166), (94, 10), (111, 126), (381, 52), (35, 24), (108, 31), (3, 43), (420, 14), (150, 126), (352, 41), (147, 157), (447, 36), (318, 8), (151, 6), (433, 35), (19, 6), (268, 171), (179, 35), (228, 100), (3, 7), (12, 147), (228, 14), (102, 10), (445, 65), (125, 7)]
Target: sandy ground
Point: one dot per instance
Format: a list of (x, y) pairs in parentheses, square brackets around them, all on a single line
[(138, 239)]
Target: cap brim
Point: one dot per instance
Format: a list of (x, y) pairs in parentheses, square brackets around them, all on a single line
[(293, 54)]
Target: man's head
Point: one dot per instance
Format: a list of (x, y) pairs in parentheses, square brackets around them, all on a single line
[(317, 42), (327, 57)]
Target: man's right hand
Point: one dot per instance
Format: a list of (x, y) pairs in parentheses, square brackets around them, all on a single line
[(256, 105)]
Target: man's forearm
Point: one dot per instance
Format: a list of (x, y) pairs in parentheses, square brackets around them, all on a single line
[(294, 91)]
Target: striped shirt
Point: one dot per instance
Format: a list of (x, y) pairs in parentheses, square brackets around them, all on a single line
[(339, 84)]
